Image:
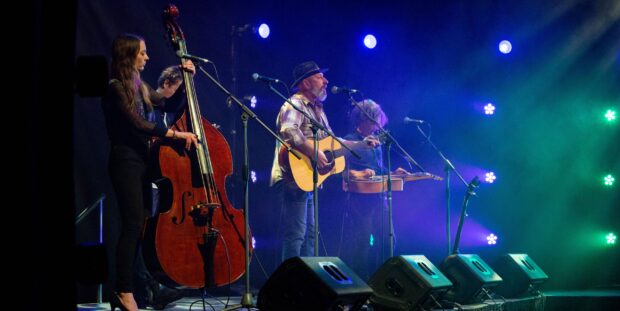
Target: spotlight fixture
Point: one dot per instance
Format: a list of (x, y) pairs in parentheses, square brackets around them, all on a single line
[(611, 239), (610, 115), (489, 109), (491, 239), (251, 99), (370, 41), (505, 47), (490, 177), (609, 180), (261, 30)]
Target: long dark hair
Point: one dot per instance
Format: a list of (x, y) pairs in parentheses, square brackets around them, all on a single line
[(125, 48)]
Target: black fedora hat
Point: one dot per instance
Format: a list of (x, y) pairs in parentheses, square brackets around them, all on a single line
[(305, 70)]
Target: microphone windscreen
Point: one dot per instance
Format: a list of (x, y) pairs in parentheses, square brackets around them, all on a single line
[(334, 89)]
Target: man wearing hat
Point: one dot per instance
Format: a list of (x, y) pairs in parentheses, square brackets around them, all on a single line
[(310, 87)]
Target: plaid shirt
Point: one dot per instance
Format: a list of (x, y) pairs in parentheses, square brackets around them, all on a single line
[(295, 128)]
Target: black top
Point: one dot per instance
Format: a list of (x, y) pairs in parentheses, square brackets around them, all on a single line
[(129, 124), (174, 108)]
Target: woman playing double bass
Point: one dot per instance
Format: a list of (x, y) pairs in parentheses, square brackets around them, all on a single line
[(127, 106)]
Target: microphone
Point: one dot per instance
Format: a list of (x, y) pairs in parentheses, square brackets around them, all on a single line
[(192, 57), (336, 90), (257, 77), (408, 120)]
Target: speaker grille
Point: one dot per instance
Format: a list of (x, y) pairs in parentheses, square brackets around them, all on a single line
[(406, 282), (470, 275)]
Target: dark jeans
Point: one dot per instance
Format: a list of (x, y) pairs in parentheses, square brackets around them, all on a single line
[(363, 219), (297, 220), (127, 170)]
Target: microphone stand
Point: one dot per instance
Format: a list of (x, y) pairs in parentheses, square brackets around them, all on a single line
[(316, 126), (389, 141), (448, 167), (246, 300), (235, 33)]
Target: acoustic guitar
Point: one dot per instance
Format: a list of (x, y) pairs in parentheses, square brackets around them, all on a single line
[(301, 169)]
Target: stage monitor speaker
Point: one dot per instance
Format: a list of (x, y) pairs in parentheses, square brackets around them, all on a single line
[(521, 275), (470, 275), (313, 283), (407, 283)]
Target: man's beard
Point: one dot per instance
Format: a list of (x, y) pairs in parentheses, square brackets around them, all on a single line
[(320, 94)]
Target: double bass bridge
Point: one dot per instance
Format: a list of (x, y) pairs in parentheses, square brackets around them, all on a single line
[(202, 213)]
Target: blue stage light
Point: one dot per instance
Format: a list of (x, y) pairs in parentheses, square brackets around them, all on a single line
[(263, 31), (489, 109), (370, 41), (505, 46)]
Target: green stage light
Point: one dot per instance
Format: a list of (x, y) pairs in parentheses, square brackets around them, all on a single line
[(611, 239), (610, 115), (608, 180)]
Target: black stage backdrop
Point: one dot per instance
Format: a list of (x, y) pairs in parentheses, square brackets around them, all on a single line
[(547, 143)]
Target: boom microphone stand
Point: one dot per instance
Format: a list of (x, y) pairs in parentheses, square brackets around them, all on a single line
[(448, 168), (246, 300), (236, 33)]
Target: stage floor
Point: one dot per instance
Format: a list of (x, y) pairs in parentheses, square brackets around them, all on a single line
[(595, 300), (187, 303)]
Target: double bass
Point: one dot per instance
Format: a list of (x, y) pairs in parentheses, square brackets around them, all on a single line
[(198, 238)]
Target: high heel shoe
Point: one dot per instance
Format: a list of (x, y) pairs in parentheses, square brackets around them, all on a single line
[(117, 302)]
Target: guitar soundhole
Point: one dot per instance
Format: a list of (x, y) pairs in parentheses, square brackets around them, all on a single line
[(329, 155), (326, 169)]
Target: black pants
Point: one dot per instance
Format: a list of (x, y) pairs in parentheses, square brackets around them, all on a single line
[(127, 168), (363, 233)]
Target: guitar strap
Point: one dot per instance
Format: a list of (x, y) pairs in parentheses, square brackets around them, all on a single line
[(318, 116)]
